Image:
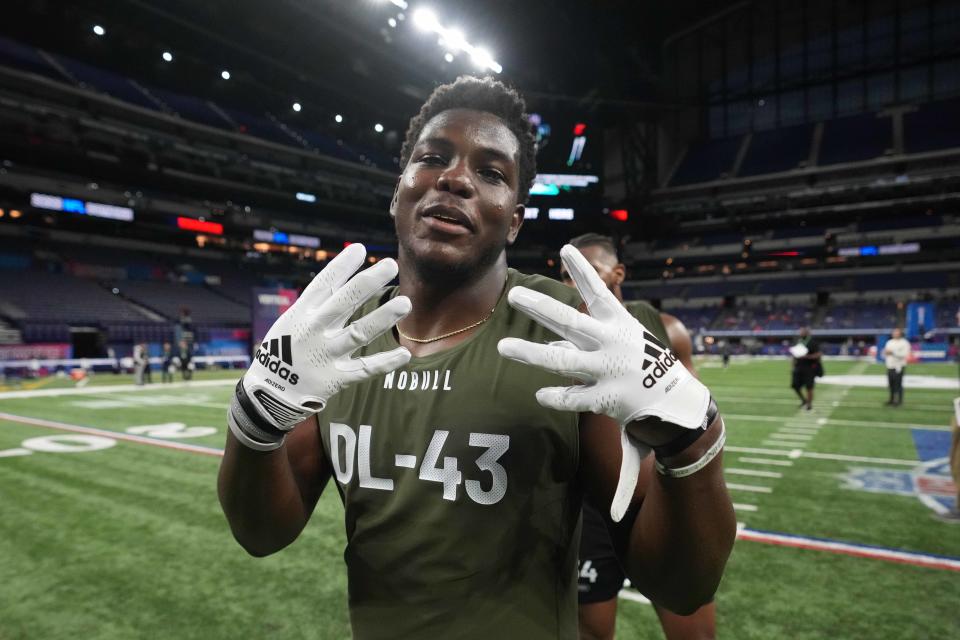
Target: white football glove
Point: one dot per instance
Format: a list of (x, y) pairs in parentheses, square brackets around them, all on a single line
[(305, 357), (627, 373)]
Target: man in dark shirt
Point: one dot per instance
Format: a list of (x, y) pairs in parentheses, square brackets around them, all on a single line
[(806, 368)]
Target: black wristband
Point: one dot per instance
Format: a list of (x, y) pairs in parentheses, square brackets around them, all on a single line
[(254, 416), (689, 436)]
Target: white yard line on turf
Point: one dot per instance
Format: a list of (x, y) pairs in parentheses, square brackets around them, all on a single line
[(749, 487), (836, 403), (113, 388), (753, 472), (779, 463), (790, 436), (821, 456), (893, 555), (777, 443)]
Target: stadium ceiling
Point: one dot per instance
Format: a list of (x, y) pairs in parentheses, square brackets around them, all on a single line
[(360, 52)]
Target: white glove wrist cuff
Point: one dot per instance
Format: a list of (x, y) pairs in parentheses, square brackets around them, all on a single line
[(249, 442), (705, 459), (688, 404), (251, 429)]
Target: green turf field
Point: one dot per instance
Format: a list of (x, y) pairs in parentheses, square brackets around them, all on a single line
[(120, 539)]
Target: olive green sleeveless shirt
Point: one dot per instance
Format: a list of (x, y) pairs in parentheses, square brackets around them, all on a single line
[(648, 317), (460, 491)]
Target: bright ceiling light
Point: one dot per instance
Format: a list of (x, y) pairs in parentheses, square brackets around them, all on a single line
[(392, 22), (378, 128), (484, 60), (454, 40), (448, 56), (297, 107), (425, 19), (481, 57), (338, 118), (225, 74), (399, 3), (167, 56), (97, 29)]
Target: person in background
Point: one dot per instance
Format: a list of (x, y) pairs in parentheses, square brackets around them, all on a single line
[(139, 363), (186, 360), (725, 351), (806, 367), (895, 353), (146, 364), (166, 375), (115, 364), (601, 575)]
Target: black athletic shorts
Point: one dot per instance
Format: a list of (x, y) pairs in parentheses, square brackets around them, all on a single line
[(803, 377), (600, 575)]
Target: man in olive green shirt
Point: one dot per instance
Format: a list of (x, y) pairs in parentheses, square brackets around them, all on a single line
[(462, 491)]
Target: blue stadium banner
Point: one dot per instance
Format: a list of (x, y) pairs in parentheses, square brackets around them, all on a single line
[(921, 318)]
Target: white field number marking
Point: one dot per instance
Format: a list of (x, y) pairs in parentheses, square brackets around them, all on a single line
[(350, 450), (171, 430), (60, 444), (85, 443)]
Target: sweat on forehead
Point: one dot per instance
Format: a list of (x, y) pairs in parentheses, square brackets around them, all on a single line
[(480, 128)]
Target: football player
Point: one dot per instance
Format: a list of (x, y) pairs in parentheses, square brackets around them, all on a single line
[(461, 467)]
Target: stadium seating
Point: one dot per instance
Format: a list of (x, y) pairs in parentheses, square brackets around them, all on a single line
[(170, 299), (706, 161), (65, 68), (48, 297), (860, 316), (777, 150), (27, 58), (768, 317), (696, 319), (855, 138), (109, 83), (932, 127)]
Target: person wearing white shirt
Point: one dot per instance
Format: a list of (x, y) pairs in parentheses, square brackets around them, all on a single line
[(896, 352)]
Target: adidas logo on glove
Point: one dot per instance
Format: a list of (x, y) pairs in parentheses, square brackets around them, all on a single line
[(274, 355), (661, 357)]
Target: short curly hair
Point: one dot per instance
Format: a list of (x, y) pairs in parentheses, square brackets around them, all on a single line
[(481, 94), (596, 240)]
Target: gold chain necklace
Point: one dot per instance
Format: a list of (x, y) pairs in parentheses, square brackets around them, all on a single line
[(458, 331), (445, 335)]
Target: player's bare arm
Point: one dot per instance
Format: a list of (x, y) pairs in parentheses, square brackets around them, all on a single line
[(272, 471), (677, 533), (268, 496), (680, 340), (681, 527)]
